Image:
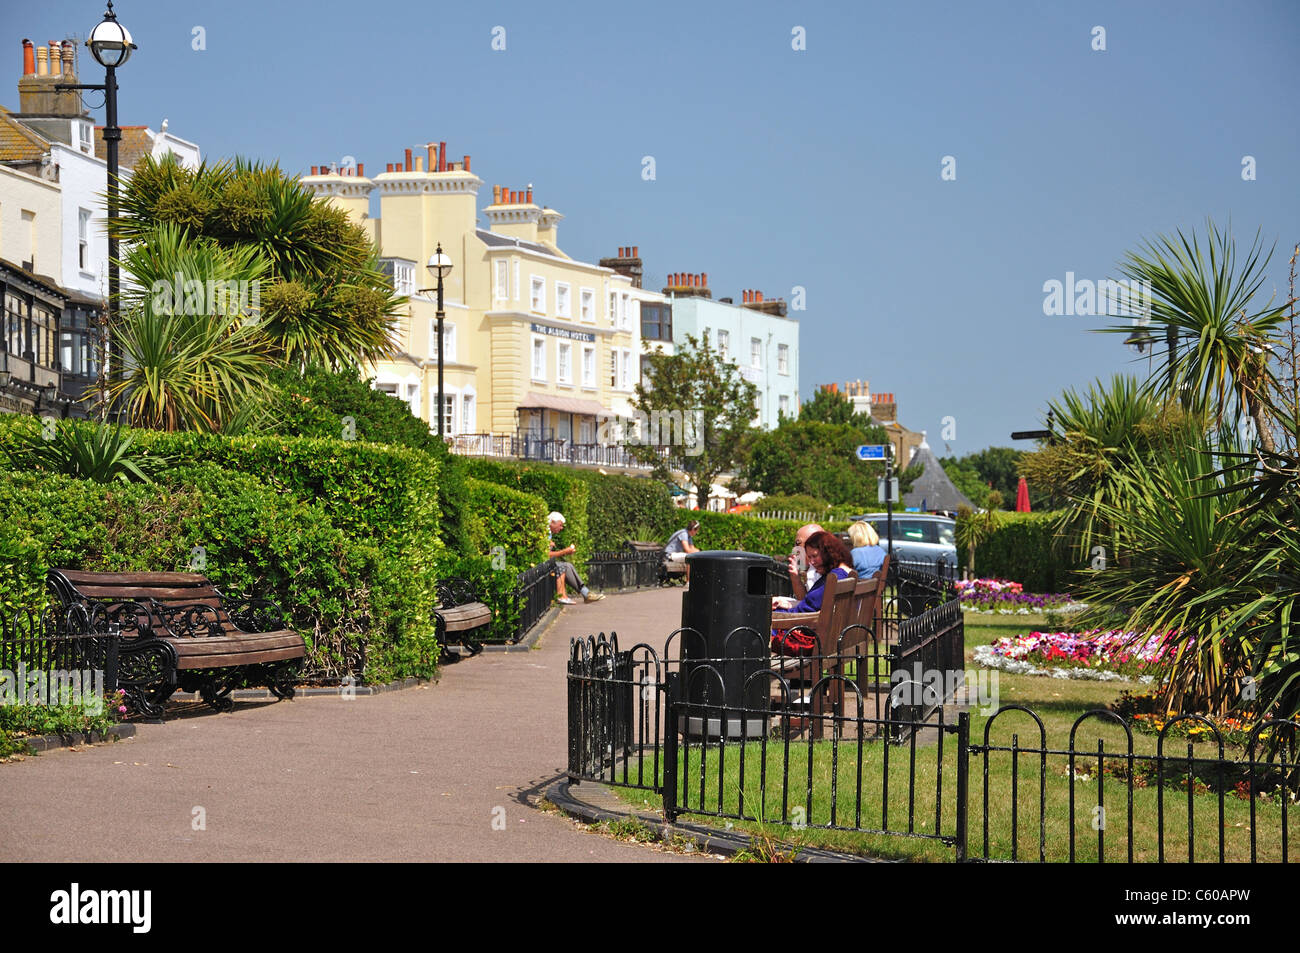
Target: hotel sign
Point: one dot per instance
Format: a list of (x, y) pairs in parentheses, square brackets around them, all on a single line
[(565, 333)]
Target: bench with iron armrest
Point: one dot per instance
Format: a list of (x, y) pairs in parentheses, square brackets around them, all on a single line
[(669, 569), (802, 672), (179, 630), (459, 613)]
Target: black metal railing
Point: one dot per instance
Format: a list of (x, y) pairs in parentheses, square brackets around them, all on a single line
[(57, 649), (527, 445), (625, 569), (864, 741), (533, 596)]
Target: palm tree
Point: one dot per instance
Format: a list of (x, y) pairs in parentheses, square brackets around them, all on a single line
[(193, 352), (1217, 351)]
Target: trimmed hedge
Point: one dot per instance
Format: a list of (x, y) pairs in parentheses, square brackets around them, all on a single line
[(1025, 549), (340, 592), (621, 507), (508, 518), (752, 534), (559, 488)]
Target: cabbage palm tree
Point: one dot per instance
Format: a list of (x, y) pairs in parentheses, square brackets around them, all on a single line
[(1219, 341), (193, 352)]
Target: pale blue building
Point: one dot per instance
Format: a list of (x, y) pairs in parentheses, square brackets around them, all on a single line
[(757, 336)]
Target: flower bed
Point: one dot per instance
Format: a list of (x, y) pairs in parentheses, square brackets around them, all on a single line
[(988, 596), (1092, 655)]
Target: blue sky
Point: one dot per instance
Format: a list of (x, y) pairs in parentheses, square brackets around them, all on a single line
[(776, 167)]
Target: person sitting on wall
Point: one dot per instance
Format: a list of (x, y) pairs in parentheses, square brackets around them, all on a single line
[(868, 554), (566, 574)]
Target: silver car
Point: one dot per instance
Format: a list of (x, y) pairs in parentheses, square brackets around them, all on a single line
[(919, 538)]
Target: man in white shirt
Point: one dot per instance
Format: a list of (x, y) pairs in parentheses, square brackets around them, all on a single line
[(802, 581)]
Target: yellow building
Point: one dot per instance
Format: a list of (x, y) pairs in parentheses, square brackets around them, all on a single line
[(535, 342)]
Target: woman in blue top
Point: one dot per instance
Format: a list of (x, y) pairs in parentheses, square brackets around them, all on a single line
[(826, 554), (868, 554)]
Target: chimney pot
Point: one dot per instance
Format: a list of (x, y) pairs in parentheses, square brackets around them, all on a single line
[(408, 160), (29, 58), (636, 251), (530, 197), (361, 169), (56, 58), (42, 61), (704, 280), (467, 163), (760, 297), (419, 163), (620, 252), (313, 170), (69, 57), (433, 157), (496, 195), (442, 157)]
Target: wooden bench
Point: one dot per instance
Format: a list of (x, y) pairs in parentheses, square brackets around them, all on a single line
[(803, 672), (669, 570), (459, 613), (179, 630)]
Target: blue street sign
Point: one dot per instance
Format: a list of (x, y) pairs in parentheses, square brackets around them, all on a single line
[(873, 451)]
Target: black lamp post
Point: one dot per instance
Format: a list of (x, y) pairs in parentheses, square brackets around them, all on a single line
[(110, 44), (440, 267)]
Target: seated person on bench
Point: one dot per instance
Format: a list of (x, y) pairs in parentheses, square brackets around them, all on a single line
[(566, 574), (680, 545), (826, 554), (868, 554)]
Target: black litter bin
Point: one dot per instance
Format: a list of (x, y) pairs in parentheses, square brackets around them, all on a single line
[(728, 591)]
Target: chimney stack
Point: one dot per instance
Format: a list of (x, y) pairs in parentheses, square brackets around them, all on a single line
[(29, 58)]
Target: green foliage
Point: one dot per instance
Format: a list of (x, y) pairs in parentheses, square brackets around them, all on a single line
[(966, 478), (833, 407), (751, 534), (90, 451), (792, 503), (1022, 547), (70, 719), (191, 356), (807, 457), (351, 602), (507, 518), (561, 489), (325, 300), (620, 508), (496, 588), (715, 404)]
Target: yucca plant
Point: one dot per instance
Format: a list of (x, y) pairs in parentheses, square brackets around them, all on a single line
[(85, 451), (191, 358)]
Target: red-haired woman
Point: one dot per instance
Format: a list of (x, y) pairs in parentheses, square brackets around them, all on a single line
[(826, 554)]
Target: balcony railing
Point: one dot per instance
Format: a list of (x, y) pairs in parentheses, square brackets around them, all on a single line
[(529, 446)]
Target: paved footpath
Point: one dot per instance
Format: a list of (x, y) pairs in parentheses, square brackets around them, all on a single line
[(412, 775)]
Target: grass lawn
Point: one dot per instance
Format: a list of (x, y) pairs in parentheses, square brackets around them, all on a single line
[(767, 780)]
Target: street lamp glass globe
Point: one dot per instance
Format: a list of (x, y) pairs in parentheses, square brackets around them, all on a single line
[(110, 43), (439, 264)]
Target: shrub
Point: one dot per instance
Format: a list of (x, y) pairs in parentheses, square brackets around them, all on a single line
[(510, 519), (345, 596), (750, 533), (620, 508), (1023, 547), (559, 488)]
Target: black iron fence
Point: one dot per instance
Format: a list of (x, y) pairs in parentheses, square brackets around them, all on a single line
[(536, 589), (626, 569), (863, 742), (45, 656)]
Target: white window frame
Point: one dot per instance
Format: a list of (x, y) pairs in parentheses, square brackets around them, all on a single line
[(448, 413), (449, 335), (502, 279), (467, 418), (587, 305), (518, 283), (783, 359), (537, 294), (563, 362), (756, 353), (589, 365), (783, 404), (724, 344), (538, 375), (613, 308), (624, 369), (563, 299), (83, 237)]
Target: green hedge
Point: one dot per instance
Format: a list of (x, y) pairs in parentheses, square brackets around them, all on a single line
[(1024, 548), (340, 591), (507, 518), (620, 508), (558, 487), (748, 533)]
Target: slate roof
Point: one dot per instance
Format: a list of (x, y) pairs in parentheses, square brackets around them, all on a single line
[(933, 490), (493, 240)]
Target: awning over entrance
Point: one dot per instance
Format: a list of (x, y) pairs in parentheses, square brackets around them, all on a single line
[(565, 405)]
